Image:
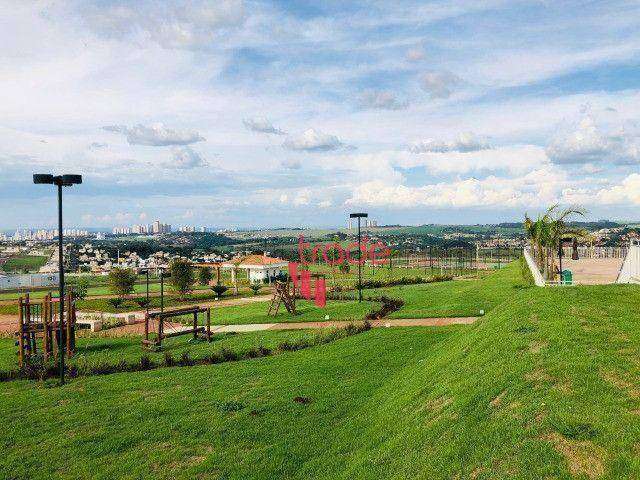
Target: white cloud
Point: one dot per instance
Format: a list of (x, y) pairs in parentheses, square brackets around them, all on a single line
[(464, 142), (185, 158), (628, 191), (262, 125), (156, 135), (440, 84), (587, 143), (182, 24), (536, 188), (315, 141), (382, 100)]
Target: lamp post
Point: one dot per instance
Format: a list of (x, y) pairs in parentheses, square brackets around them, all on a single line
[(359, 216), (60, 181)]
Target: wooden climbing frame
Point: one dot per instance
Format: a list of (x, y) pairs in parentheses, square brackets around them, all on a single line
[(38, 323), (198, 331), (283, 292)]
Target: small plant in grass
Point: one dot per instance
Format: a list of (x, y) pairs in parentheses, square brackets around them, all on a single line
[(169, 360), (116, 302), (219, 290), (186, 360), (228, 354), (255, 287), (145, 363), (143, 302)]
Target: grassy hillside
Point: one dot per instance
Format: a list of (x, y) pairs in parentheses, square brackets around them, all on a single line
[(24, 263), (460, 298), (544, 386)]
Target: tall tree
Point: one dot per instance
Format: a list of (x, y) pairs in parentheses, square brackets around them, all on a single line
[(121, 281), (182, 276), (205, 276)]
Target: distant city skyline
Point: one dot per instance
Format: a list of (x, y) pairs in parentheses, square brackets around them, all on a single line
[(263, 113)]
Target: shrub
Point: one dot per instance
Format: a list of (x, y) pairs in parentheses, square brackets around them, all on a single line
[(228, 354), (168, 360), (255, 287), (219, 290), (116, 302), (143, 302), (145, 363), (186, 360)]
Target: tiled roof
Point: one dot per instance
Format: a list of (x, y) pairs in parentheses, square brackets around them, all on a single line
[(256, 260)]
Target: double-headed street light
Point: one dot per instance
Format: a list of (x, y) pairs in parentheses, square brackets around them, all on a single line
[(60, 181), (359, 216)]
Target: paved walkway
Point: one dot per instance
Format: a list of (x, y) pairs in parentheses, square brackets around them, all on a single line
[(385, 322), (593, 271)]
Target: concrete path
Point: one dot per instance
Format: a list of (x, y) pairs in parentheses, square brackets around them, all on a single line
[(593, 271), (385, 322)]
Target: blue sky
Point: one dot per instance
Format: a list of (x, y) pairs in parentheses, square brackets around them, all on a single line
[(294, 113)]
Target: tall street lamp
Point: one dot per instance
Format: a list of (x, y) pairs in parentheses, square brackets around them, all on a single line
[(359, 216), (60, 181)]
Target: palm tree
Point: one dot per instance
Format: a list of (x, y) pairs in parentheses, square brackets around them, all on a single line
[(547, 232)]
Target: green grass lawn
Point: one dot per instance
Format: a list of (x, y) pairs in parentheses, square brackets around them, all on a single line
[(306, 312), (459, 298), (545, 385), (30, 263)]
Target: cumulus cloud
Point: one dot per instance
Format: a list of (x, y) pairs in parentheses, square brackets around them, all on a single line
[(536, 188), (440, 84), (156, 135), (465, 142), (586, 143), (315, 141), (381, 100), (184, 24), (628, 191), (262, 125), (185, 158)]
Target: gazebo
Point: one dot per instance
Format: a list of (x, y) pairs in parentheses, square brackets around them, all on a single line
[(259, 268)]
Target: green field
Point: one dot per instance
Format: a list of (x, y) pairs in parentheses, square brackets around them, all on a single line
[(545, 385), (24, 263)]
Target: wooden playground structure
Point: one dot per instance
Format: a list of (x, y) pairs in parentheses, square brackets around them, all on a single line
[(299, 284), (39, 328), (161, 319)]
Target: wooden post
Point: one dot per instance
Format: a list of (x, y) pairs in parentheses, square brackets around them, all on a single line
[(21, 333), (45, 328), (160, 330), (195, 325), (208, 324), (146, 325)]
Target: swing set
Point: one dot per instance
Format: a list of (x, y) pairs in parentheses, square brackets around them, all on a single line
[(153, 336)]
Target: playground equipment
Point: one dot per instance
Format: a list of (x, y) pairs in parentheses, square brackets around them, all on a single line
[(286, 292), (40, 323), (150, 318), (283, 293)]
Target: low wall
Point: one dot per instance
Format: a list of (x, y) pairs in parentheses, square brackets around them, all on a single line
[(630, 271), (100, 320), (537, 276)]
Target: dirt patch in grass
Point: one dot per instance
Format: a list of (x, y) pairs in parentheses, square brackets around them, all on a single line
[(583, 457), (538, 375), (617, 381), (436, 405), (536, 346), (498, 400)]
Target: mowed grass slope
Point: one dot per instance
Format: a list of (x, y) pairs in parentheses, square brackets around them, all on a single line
[(457, 298), (544, 386)]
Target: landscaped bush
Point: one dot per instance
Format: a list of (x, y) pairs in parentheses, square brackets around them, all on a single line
[(85, 367)]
